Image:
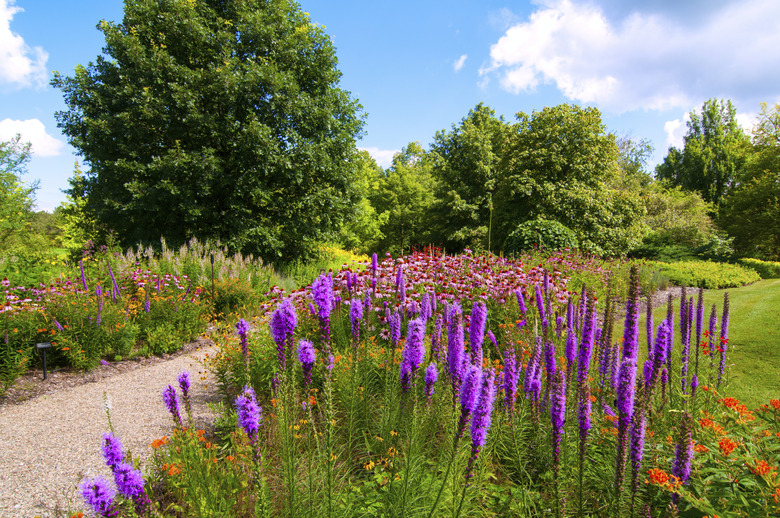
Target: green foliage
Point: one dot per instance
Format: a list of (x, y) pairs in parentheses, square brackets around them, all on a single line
[(363, 231), (238, 131), (559, 165), (705, 274), (751, 214), (404, 199), (714, 154), (233, 297), (540, 234), (16, 199), (766, 269), (329, 258), (466, 169)]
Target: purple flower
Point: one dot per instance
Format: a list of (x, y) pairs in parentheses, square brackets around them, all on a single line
[(307, 357), (395, 327), (436, 349), (586, 345), (431, 376), (481, 415), (492, 338), (99, 496), (571, 340), (549, 359), (521, 301), (172, 403), (283, 322), (538, 297), (425, 307), (374, 264), (249, 413), (724, 337), (413, 352), (631, 329), (322, 293), (511, 377), (477, 330), (242, 328), (129, 481), (355, 314), (637, 448), (469, 389), (694, 384), (112, 451), (184, 383), (625, 406), (557, 412), (83, 276), (681, 467), (455, 339)]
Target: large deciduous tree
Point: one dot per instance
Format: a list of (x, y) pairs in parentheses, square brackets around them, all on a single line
[(714, 153), (559, 165), (216, 119), (752, 212), (466, 167), (16, 198)]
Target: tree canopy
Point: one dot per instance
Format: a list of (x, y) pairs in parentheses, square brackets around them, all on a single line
[(714, 153), (16, 198), (220, 120)]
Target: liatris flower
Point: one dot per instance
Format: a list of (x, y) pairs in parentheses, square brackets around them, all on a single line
[(112, 451), (455, 361), (436, 348), (307, 357), (492, 338), (539, 298), (571, 340), (549, 359), (425, 307), (99, 298), (664, 382), (686, 347), (433, 302), (283, 322), (558, 326), (481, 418), (584, 414), (469, 396), (657, 357), (557, 412), (670, 319), (711, 334), (83, 276), (511, 376), (129, 481), (521, 301), (355, 314), (395, 328), (99, 496), (625, 407), (242, 328), (649, 322), (374, 264), (367, 304), (249, 415), (724, 336), (322, 293), (586, 345), (431, 376), (694, 384), (147, 304), (184, 385), (115, 293), (413, 352), (699, 325), (681, 468), (637, 449), (172, 403), (477, 331), (400, 284), (631, 329)]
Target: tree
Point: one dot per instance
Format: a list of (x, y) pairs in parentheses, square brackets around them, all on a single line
[(220, 120), (559, 165), (363, 231), (751, 213), (714, 153), (16, 198), (632, 161), (404, 199), (466, 167)]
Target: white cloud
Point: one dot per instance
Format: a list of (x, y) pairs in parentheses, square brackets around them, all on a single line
[(460, 62), (20, 64), (34, 132), (383, 157), (648, 60), (675, 131)]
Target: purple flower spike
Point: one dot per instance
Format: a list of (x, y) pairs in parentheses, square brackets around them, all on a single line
[(249, 413), (242, 329), (374, 264), (477, 331), (436, 346), (355, 314), (129, 481), (172, 403), (557, 412), (431, 376), (539, 298), (511, 378), (681, 468), (283, 322), (481, 416), (112, 451), (99, 496), (521, 301), (469, 393), (413, 353), (631, 330), (455, 347), (724, 337), (307, 357)]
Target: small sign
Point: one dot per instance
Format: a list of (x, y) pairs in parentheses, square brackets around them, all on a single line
[(44, 345)]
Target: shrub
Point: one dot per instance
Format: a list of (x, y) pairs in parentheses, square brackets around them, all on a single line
[(705, 274), (766, 269), (540, 233)]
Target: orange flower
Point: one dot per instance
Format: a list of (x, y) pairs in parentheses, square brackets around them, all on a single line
[(66, 348), (312, 401), (658, 477), (159, 442), (727, 446), (230, 458), (175, 470), (700, 448), (761, 469), (729, 402), (77, 515), (775, 403)]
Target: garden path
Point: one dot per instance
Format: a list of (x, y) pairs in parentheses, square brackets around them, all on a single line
[(48, 444)]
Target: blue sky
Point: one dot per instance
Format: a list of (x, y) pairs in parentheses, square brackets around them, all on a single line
[(418, 67)]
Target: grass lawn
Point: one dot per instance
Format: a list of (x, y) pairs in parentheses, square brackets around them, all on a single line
[(753, 372)]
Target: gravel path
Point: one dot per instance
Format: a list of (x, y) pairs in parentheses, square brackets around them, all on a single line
[(48, 444)]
